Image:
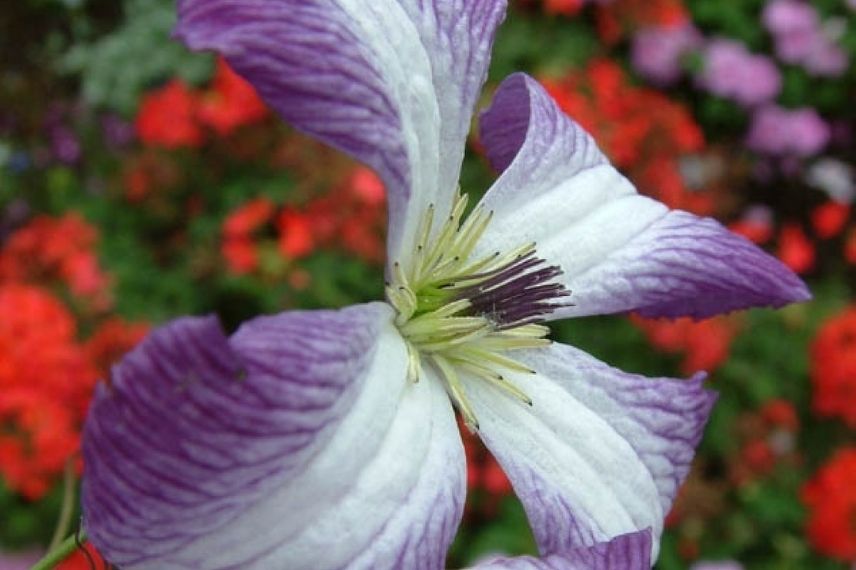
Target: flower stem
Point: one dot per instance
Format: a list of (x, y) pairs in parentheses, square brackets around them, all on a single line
[(61, 552), (67, 508)]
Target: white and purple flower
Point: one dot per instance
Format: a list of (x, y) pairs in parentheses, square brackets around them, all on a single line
[(327, 439)]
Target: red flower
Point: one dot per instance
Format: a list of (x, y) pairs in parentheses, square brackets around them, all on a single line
[(780, 413), (795, 249), (240, 255), (831, 500), (620, 17), (78, 560), (565, 7), (755, 224), (833, 367), (61, 249), (829, 219), (238, 247), (231, 103), (758, 456), (367, 187), (295, 239), (704, 344), (246, 219), (641, 130), (111, 340), (46, 382), (167, 117)]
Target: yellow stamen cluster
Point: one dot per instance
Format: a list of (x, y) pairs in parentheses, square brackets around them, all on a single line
[(439, 323)]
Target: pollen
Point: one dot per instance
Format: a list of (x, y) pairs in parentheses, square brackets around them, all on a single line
[(463, 314)]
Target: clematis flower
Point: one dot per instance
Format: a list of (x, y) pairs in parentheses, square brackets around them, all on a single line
[(328, 439)]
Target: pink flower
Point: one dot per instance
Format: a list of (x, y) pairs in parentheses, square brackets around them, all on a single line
[(785, 132), (657, 51), (732, 72)]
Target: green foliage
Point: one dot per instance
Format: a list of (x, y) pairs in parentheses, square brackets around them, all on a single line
[(107, 78)]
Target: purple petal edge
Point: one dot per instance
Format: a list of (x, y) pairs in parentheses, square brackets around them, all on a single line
[(630, 551)]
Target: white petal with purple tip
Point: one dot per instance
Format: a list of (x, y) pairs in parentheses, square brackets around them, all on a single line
[(619, 251), (600, 453), (297, 443), (392, 82)]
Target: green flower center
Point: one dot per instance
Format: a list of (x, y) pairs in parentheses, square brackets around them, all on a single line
[(461, 313)]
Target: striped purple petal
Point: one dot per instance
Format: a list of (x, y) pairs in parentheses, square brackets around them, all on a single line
[(391, 82), (296, 443), (626, 552), (619, 251), (600, 453)]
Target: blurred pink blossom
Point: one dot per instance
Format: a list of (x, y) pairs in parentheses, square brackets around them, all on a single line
[(787, 132), (801, 38), (657, 51), (732, 72)]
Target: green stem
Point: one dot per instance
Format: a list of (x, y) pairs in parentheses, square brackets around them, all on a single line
[(67, 509), (60, 553)]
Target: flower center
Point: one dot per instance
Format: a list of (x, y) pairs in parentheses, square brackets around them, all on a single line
[(461, 313)]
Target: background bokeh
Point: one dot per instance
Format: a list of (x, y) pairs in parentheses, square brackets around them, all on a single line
[(139, 182)]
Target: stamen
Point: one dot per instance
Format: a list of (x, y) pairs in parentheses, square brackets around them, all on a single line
[(496, 379), (456, 391), (413, 364), (465, 314)]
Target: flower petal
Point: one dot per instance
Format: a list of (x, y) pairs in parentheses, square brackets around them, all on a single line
[(628, 552), (619, 251), (391, 82), (600, 452), (296, 443)]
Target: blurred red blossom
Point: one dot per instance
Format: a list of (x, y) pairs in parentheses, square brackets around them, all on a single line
[(57, 249), (177, 116), (829, 219), (230, 103), (564, 7), (795, 249), (46, 381), (704, 345), (46, 378), (618, 18), (168, 117), (351, 217), (249, 217), (239, 248), (766, 439), (756, 224), (833, 367), (149, 174), (644, 132), (296, 238), (780, 413), (756, 231), (240, 254), (831, 500), (80, 560), (111, 340)]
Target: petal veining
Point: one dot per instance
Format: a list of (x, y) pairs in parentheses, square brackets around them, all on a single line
[(295, 443), (392, 82), (619, 251), (600, 453)]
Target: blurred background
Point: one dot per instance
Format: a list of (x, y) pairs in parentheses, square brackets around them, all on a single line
[(139, 182)]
